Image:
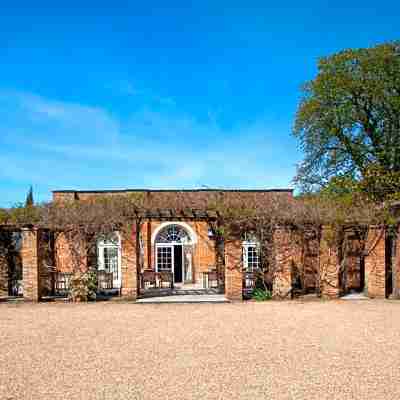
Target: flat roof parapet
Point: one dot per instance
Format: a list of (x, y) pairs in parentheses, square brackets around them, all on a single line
[(174, 190)]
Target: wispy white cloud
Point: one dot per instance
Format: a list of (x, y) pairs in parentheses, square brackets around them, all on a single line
[(128, 88), (54, 144)]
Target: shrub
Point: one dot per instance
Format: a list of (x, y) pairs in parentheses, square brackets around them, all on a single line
[(83, 286), (261, 295), (92, 285)]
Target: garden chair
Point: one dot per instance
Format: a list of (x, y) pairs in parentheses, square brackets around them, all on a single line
[(104, 280), (212, 279), (166, 277), (62, 282), (149, 278), (249, 281)]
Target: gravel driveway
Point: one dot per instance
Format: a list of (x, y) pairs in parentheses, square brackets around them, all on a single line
[(289, 350)]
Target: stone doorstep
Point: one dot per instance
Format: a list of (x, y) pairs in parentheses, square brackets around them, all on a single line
[(355, 296), (11, 299), (212, 298)]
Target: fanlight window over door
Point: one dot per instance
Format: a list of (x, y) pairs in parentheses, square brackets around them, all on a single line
[(173, 234)]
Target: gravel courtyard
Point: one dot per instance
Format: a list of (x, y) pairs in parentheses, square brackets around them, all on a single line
[(289, 350)]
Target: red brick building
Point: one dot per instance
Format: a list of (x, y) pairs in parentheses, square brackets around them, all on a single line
[(183, 252)]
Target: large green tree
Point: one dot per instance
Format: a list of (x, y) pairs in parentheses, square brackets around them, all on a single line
[(348, 121)]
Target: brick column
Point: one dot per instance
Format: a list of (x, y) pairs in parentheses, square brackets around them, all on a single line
[(233, 270), (396, 267), (3, 269), (282, 274), (129, 266), (30, 264), (375, 271), (3, 273), (219, 257), (329, 264)]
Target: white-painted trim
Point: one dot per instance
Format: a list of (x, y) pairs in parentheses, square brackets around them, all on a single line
[(101, 245), (165, 245), (184, 225), (245, 249), (172, 247)]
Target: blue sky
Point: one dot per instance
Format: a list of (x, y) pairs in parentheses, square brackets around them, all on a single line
[(163, 94)]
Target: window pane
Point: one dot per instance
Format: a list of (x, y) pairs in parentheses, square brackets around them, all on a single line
[(164, 258), (111, 260), (252, 258)]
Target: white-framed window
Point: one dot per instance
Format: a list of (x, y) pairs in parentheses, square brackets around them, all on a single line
[(164, 257), (109, 257), (251, 256)]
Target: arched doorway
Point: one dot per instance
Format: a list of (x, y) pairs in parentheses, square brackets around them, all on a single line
[(174, 246)]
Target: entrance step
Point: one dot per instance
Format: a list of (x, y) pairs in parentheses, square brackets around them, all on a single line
[(355, 296), (185, 298), (11, 299)]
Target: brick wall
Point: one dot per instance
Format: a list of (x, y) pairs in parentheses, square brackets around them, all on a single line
[(310, 254), (46, 263), (285, 250), (353, 266), (30, 264), (129, 266), (375, 274), (396, 266), (3, 270), (352, 276), (233, 270), (329, 264), (66, 259)]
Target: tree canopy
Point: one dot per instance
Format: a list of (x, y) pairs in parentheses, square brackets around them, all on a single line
[(348, 122)]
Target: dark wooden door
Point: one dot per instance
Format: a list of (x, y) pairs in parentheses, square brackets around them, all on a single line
[(178, 264)]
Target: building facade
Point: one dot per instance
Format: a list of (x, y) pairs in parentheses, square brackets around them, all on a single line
[(167, 251)]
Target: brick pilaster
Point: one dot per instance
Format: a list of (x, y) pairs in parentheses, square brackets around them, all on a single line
[(129, 266), (375, 271), (3, 270), (30, 264), (282, 274), (396, 266), (329, 264), (233, 270)]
